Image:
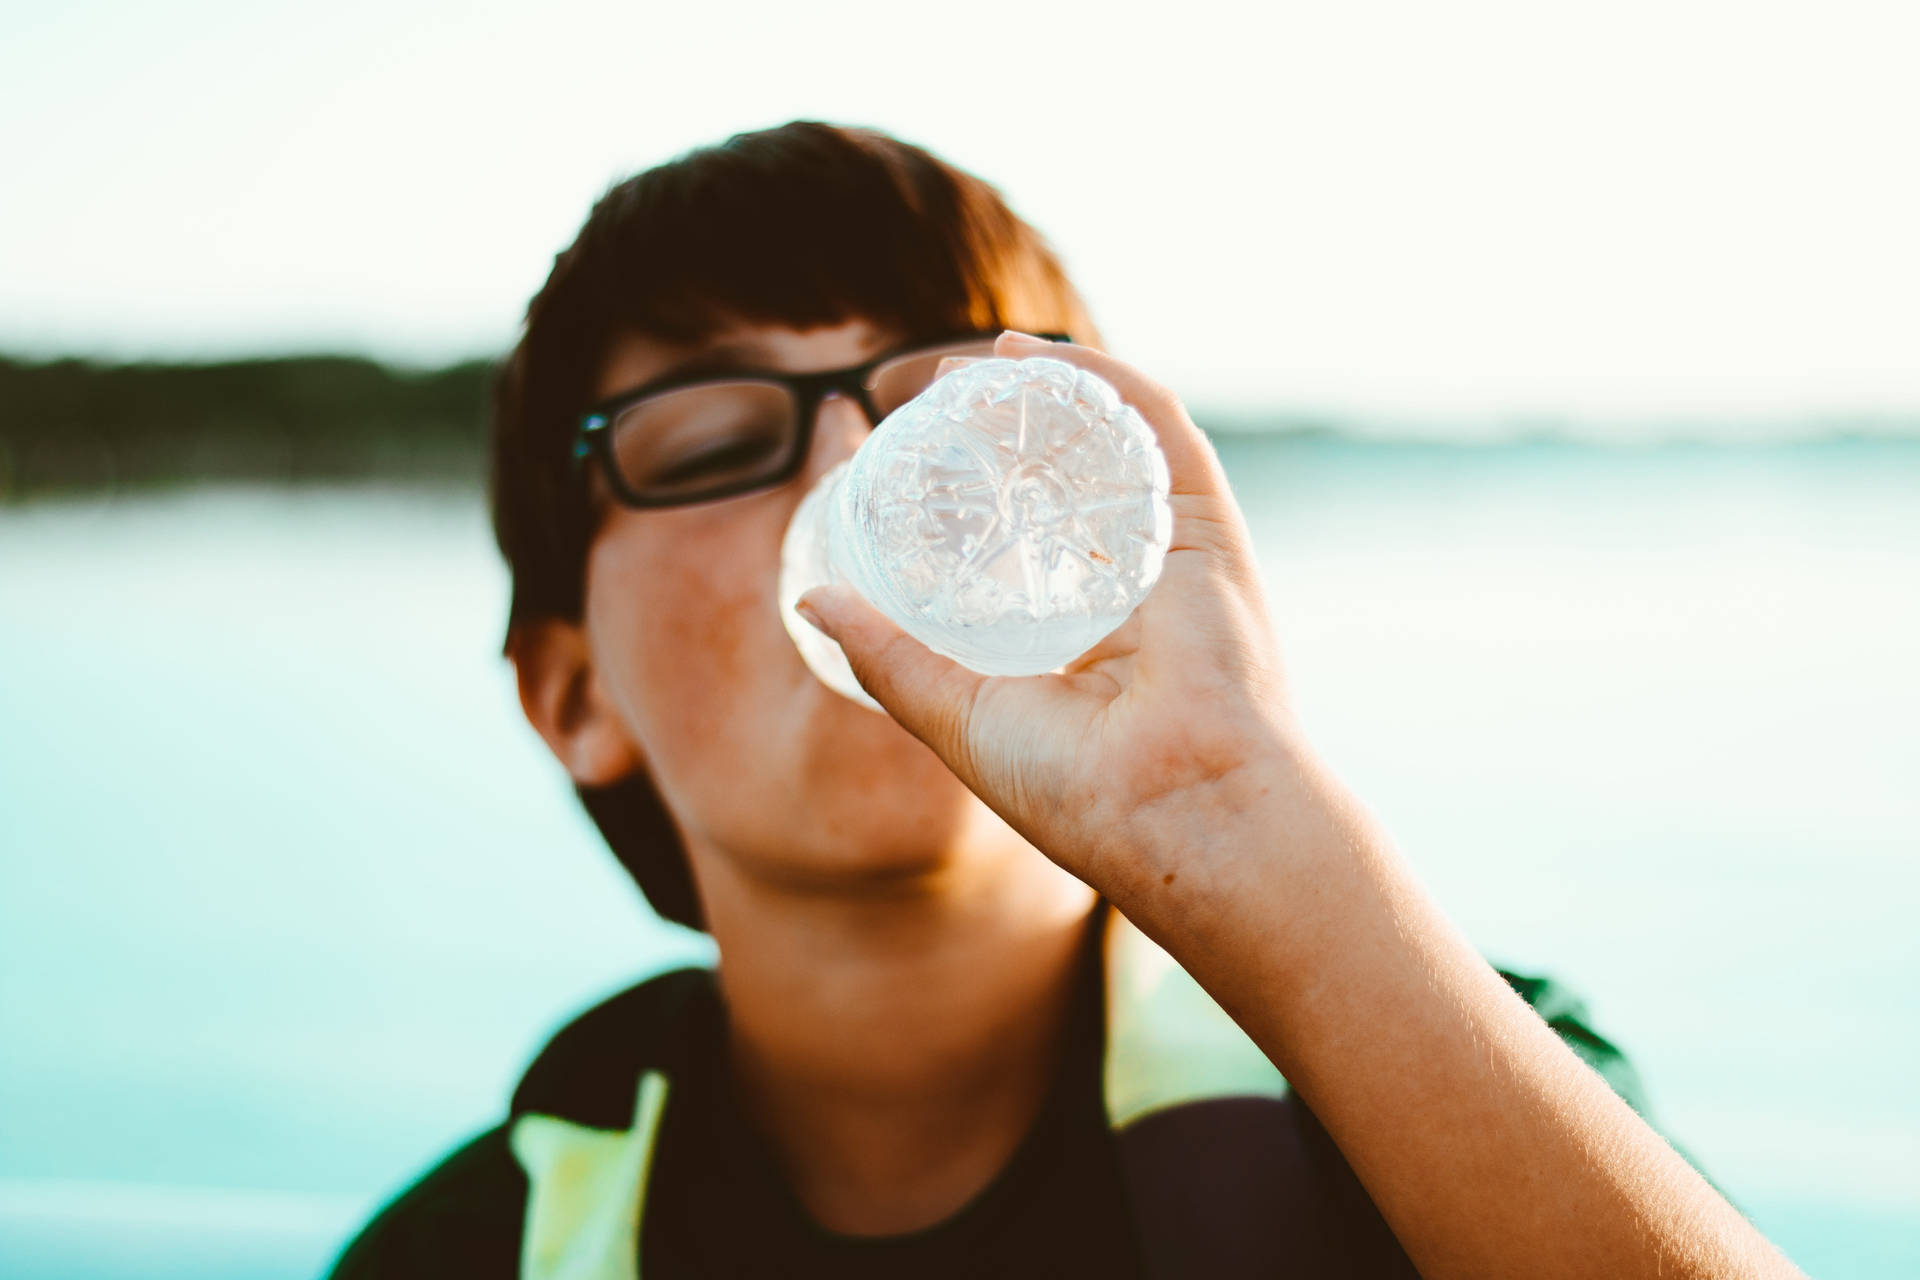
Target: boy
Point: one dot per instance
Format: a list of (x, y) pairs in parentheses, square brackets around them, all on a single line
[(1095, 973)]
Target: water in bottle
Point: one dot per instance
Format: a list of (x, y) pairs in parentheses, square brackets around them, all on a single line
[(1010, 517)]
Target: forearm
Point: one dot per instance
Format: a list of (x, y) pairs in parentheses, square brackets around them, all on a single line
[(1490, 1148)]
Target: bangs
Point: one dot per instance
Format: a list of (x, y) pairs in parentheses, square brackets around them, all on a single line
[(805, 231)]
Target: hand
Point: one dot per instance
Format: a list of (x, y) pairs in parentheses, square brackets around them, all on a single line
[(1133, 748)]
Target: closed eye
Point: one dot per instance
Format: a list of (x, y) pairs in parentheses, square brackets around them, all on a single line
[(735, 455)]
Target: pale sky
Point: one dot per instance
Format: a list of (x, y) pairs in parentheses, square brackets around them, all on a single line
[(1624, 212)]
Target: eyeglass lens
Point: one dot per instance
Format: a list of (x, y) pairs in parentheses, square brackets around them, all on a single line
[(721, 437)]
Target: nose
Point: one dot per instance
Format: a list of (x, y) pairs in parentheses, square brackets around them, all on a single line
[(839, 426)]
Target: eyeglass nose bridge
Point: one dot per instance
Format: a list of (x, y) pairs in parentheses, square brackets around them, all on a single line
[(850, 383)]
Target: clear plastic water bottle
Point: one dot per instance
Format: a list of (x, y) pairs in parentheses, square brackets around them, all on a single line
[(1010, 517)]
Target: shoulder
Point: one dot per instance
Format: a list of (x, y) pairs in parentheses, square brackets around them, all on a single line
[(465, 1215), (461, 1218), (588, 1071)]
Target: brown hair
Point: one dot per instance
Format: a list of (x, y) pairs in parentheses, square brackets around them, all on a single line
[(800, 226)]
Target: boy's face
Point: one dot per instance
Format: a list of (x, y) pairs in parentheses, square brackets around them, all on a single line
[(759, 763)]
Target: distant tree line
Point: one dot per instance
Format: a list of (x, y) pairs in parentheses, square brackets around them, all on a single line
[(78, 425), (82, 426)]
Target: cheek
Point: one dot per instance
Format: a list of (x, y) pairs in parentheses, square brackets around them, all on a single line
[(680, 614)]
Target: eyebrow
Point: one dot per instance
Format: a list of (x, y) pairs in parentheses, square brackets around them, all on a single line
[(745, 355), (727, 357)]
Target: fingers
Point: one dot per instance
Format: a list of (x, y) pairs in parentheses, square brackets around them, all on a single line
[(931, 696), (1192, 465), (1206, 516)]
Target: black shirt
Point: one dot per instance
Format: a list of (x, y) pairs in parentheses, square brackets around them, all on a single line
[(722, 1207), (1227, 1187)]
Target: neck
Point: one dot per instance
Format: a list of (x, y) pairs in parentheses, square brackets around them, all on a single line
[(895, 1043)]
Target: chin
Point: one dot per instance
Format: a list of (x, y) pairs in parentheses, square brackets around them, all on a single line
[(877, 799)]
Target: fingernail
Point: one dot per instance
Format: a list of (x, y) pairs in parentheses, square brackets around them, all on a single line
[(805, 610), (1018, 336)]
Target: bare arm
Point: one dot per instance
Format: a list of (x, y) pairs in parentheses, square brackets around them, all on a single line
[(1166, 768), (1489, 1147)]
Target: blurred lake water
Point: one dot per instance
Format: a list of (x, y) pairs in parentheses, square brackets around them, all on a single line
[(289, 892)]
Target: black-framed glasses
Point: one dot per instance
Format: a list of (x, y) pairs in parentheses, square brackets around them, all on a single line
[(695, 438)]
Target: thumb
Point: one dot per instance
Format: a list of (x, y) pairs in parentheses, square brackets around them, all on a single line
[(932, 697)]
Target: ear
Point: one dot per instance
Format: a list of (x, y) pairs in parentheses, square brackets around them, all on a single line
[(561, 693)]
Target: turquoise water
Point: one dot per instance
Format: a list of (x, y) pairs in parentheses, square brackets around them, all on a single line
[(289, 892)]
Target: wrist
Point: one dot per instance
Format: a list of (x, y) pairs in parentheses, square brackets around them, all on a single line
[(1210, 849)]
